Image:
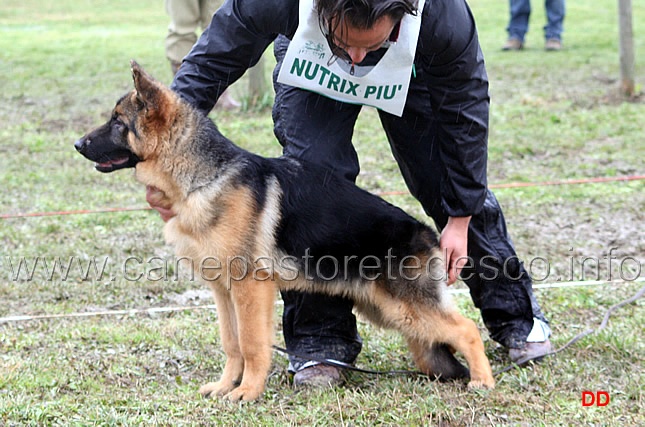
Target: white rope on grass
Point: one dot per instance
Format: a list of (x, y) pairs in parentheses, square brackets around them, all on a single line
[(129, 312), (170, 309)]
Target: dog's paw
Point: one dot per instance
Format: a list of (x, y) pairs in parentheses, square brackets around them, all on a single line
[(216, 389), (244, 393), (481, 384)]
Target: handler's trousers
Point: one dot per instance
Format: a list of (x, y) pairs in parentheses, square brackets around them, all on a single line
[(318, 129)]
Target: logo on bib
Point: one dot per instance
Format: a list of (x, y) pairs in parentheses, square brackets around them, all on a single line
[(326, 79)]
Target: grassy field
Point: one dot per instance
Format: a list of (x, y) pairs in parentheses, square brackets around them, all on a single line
[(554, 116)]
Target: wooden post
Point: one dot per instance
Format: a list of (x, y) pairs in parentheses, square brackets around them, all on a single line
[(257, 83), (626, 47)]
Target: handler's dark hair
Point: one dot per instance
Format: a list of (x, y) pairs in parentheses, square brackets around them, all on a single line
[(361, 14)]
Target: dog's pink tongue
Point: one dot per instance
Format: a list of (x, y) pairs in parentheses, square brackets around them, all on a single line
[(113, 162)]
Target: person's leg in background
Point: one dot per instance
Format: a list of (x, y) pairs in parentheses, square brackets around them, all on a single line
[(518, 25), (555, 11), (186, 18)]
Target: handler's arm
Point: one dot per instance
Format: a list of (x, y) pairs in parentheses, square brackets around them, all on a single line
[(458, 87), (157, 201), (454, 244), (450, 54)]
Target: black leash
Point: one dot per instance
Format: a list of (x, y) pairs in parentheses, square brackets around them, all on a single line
[(518, 364), (343, 365)]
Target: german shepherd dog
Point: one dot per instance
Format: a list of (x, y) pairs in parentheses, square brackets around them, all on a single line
[(280, 223)]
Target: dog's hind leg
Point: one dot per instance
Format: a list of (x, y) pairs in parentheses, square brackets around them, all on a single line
[(234, 367), (460, 333), (432, 329), (254, 307)]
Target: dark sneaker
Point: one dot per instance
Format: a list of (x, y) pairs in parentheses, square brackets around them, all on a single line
[(532, 351), (318, 376), (553, 45), (513, 44)]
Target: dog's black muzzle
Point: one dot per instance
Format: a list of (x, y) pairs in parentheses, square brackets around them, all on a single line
[(108, 157)]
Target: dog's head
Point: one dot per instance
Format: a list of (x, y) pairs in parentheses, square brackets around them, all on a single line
[(139, 122)]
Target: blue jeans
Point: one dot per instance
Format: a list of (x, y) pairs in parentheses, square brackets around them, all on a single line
[(519, 22)]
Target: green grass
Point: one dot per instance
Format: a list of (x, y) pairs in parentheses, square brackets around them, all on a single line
[(554, 116)]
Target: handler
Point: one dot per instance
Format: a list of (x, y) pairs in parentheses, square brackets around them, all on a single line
[(421, 66)]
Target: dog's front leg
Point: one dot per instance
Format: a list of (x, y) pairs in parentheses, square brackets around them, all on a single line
[(234, 367), (254, 307)]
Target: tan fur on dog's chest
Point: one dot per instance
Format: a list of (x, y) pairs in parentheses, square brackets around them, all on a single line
[(212, 233)]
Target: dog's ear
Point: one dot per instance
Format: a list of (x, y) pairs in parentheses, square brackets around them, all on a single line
[(148, 91)]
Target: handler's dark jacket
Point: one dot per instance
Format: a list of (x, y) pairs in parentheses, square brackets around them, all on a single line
[(448, 51)]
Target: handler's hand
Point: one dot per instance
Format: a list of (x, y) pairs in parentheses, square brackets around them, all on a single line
[(454, 244), (157, 200)]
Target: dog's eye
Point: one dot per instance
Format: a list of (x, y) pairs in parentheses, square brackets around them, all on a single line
[(120, 126)]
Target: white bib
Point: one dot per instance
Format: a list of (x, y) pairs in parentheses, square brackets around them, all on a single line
[(385, 85)]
